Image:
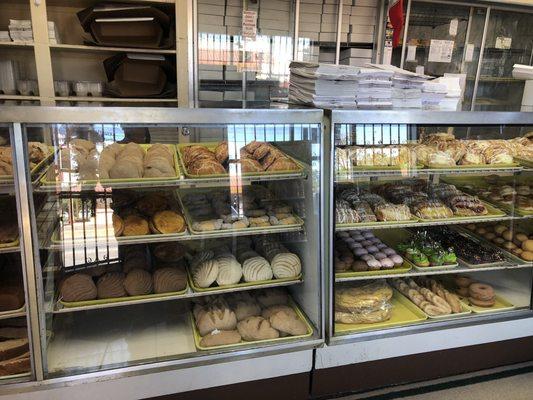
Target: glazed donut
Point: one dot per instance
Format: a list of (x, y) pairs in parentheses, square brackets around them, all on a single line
[(481, 291), (462, 281), (481, 303)]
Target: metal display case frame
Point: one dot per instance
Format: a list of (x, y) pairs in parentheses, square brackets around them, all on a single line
[(409, 117), (17, 117)]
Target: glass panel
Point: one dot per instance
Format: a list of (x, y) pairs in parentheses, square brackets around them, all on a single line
[(15, 364), (508, 43), (145, 224), (226, 57), (431, 224)]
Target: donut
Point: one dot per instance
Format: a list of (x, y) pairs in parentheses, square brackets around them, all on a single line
[(481, 291), (462, 291), (481, 303), (463, 281)]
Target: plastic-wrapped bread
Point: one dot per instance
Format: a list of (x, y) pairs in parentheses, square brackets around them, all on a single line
[(286, 265), (111, 285), (256, 269), (229, 271), (205, 273), (169, 279), (138, 282), (78, 287)]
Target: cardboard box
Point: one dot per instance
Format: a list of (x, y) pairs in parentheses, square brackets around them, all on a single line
[(313, 18), (233, 3), (364, 11), (345, 28), (311, 8), (233, 21), (234, 30), (327, 37), (278, 5), (326, 55), (211, 75), (311, 2), (274, 14), (332, 19), (366, 3), (354, 52), (334, 9), (210, 95), (213, 2), (356, 62), (365, 29), (232, 11), (360, 38), (210, 9), (274, 32), (309, 35), (204, 19), (218, 29), (210, 67), (358, 20), (309, 27), (273, 24)]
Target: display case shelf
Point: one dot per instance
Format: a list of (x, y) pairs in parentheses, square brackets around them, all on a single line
[(100, 49), (16, 45), (115, 99)]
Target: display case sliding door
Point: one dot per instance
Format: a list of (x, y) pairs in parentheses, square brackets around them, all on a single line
[(430, 223), (171, 238)]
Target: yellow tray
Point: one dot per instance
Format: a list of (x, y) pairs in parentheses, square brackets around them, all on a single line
[(492, 212), (51, 171), (377, 224), (465, 310), (211, 146), (190, 221), (21, 375), (195, 288), (404, 312), (380, 167), (9, 312), (35, 170), (479, 166), (405, 267), (524, 162), (14, 243), (198, 338), (501, 304), (70, 304)]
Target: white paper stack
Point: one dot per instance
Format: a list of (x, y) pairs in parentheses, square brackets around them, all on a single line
[(432, 94), (323, 85), (374, 88), (452, 101), (4, 37), (20, 30)]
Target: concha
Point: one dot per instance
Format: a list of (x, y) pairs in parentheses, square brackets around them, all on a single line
[(229, 271), (256, 269), (286, 265), (205, 273)]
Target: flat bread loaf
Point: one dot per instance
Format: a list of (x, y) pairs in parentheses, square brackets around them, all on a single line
[(286, 265), (256, 269)]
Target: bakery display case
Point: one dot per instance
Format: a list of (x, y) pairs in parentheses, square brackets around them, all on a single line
[(429, 222), (174, 237)]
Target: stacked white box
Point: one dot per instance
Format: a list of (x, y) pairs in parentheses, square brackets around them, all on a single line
[(210, 95)]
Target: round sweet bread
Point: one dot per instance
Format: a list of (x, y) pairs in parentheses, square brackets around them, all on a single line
[(169, 279), (111, 285), (152, 203), (135, 226), (118, 225), (78, 287), (229, 271), (256, 269), (205, 273), (244, 255), (286, 265), (138, 282), (167, 222), (201, 256)]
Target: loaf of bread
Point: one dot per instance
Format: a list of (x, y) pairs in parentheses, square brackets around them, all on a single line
[(256, 328), (287, 322), (78, 287), (15, 366), (246, 308), (216, 316), (169, 279), (269, 311), (220, 338), (286, 265), (111, 285), (138, 282), (256, 269)]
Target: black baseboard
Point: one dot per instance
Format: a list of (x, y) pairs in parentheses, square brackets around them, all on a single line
[(291, 387), (357, 378)]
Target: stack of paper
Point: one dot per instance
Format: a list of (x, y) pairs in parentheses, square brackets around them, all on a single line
[(452, 100), (323, 85), (374, 88), (4, 37), (53, 35), (432, 94), (20, 30)]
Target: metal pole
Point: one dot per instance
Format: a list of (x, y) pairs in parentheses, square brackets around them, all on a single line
[(381, 22), (27, 253), (467, 37), (296, 30), (339, 33), (480, 60), (405, 29)]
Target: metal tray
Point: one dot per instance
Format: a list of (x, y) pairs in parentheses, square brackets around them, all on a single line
[(7, 245), (211, 145), (50, 181), (198, 338), (254, 285), (404, 312), (272, 228)]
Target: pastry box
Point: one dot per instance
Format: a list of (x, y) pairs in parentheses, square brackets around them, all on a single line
[(404, 312), (198, 338), (212, 145), (53, 178), (243, 284)]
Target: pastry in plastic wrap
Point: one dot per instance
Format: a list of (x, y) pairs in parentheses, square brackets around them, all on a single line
[(286, 265), (205, 273), (229, 271), (465, 205), (392, 212), (344, 214), (364, 296), (138, 282), (78, 287), (250, 165), (216, 315), (283, 164), (111, 285), (221, 152), (472, 158), (169, 279), (256, 328), (220, 338), (256, 269)]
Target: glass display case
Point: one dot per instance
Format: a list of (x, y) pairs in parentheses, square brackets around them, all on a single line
[(175, 236), (429, 222)]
